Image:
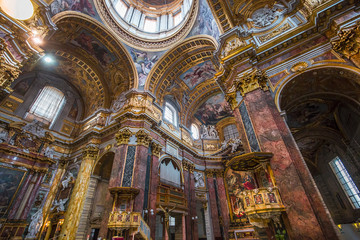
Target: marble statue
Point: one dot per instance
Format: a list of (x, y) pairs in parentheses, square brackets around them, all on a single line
[(59, 205), (36, 222), (49, 152), (212, 132), (209, 132), (36, 128), (199, 180), (235, 144), (3, 135), (67, 179)]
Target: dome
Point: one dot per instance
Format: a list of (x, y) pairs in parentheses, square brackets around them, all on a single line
[(150, 24)]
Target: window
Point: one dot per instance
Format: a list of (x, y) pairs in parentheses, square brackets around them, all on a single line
[(230, 132), (150, 25), (177, 18), (346, 182), (121, 8), (170, 114), (194, 131), (48, 104)]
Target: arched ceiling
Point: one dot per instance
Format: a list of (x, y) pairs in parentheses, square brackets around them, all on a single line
[(92, 59)]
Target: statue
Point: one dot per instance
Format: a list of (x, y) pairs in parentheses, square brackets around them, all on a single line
[(265, 16), (199, 180), (36, 222), (67, 179), (235, 144), (59, 205), (49, 152), (212, 132), (3, 135), (224, 144), (166, 216), (36, 128), (204, 131)]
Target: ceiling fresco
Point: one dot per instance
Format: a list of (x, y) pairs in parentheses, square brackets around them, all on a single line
[(84, 6), (205, 22), (198, 74), (213, 110)]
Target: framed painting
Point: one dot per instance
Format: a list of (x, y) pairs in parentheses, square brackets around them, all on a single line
[(10, 182)]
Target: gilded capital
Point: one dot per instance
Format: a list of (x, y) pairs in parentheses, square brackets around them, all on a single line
[(349, 42), (231, 99), (123, 136), (90, 152), (156, 149), (252, 81), (209, 173), (143, 138), (188, 166)]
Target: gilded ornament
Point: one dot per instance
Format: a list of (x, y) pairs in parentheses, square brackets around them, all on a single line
[(143, 138), (90, 152), (299, 67), (156, 149), (349, 42), (123, 136), (231, 99), (252, 81)]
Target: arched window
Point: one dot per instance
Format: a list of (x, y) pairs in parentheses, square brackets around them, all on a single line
[(230, 132), (170, 114), (170, 173), (48, 104), (346, 182), (195, 131)]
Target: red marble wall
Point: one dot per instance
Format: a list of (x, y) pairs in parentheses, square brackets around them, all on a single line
[(139, 176), (306, 212), (213, 208), (154, 182)]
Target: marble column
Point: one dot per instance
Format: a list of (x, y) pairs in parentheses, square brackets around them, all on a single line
[(192, 204), (183, 222), (143, 140), (15, 208), (213, 205), (122, 139), (154, 182), (73, 212), (54, 189), (188, 221), (348, 44), (224, 207), (32, 196), (267, 132)]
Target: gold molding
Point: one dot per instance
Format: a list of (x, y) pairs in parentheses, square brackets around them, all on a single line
[(252, 81), (143, 138), (123, 136)]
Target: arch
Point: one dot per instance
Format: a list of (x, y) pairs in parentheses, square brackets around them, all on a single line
[(349, 71), (176, 161), (110, 66), (197, 49), (103, 165)]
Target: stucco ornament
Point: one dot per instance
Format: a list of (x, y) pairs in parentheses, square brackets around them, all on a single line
[(36, 222), (68, 178), (265, 16), (199, 180), (60, 205)]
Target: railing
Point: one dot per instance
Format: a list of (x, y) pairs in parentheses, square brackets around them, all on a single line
[(262, 200), (129, 221), (171, 196)]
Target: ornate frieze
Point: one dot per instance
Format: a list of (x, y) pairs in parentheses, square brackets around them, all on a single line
[(123, 136), (156, 149), (219, 173), (252, 81), (143, 138)]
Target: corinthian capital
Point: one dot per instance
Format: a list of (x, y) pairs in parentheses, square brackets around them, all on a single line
[(143, 138), (349, 42), (251, 81), (123, 136), (90, 152), (156, 149)]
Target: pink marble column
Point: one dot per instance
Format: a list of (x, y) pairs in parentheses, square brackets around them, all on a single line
[(21, 195), (308, 217), (223, 204), (183, 227), (32, 196), (122, 138), (192, 204), (154, 181), (187, 195), (213, 206)]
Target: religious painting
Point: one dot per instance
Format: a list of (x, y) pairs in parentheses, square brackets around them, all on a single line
[(272, 198), (84, 6), (22, 87), (205, 22), (198, 74), (73, 111), (94, 47), (144, 61), (263, 177), (258, 199), (10, 182), (236, 182), (213, 110)]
